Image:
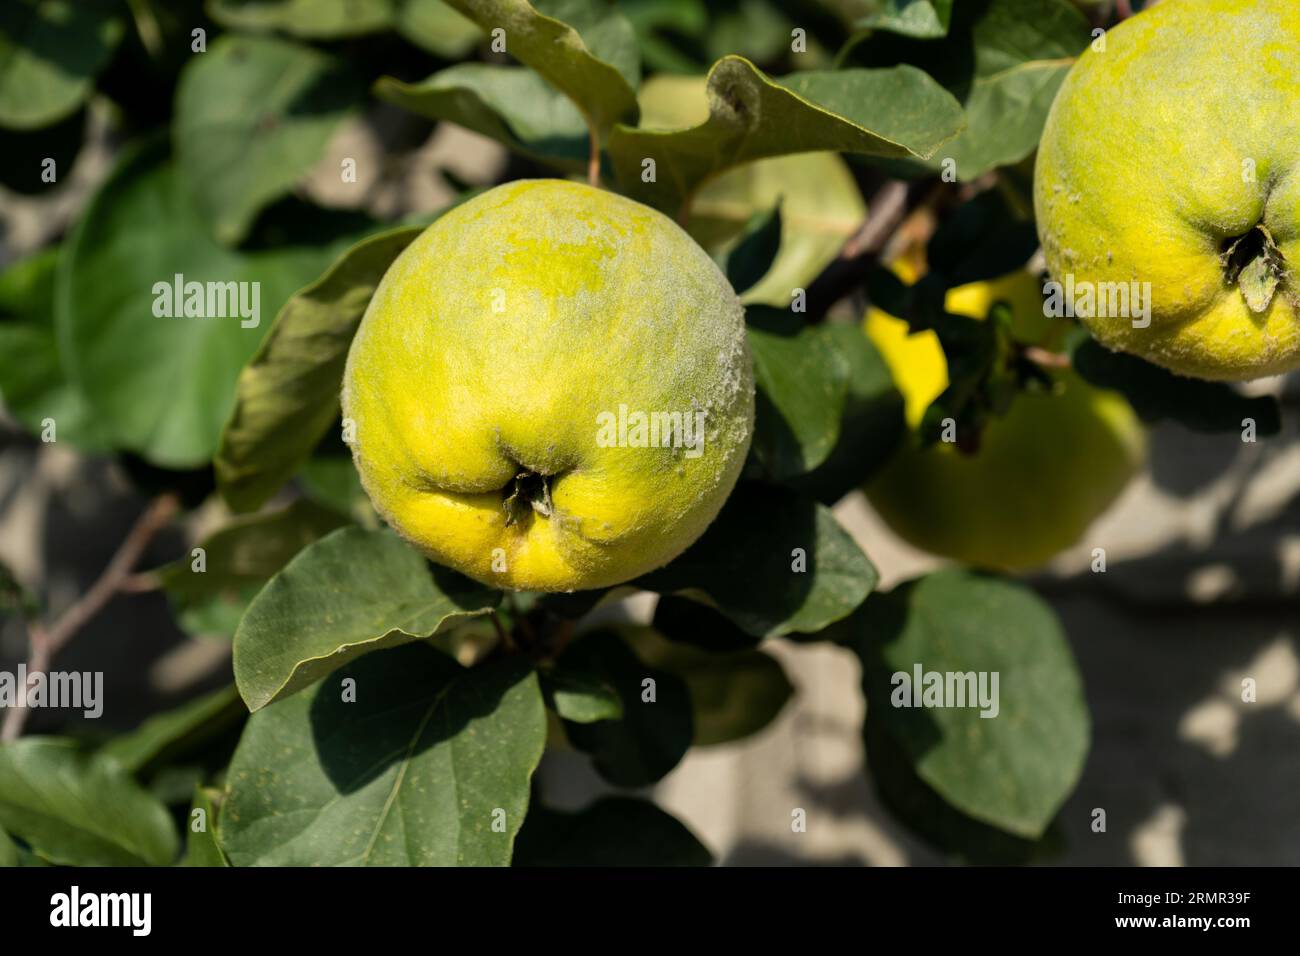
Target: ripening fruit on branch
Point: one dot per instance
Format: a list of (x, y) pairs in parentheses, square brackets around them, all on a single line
[(1043, 472), (1169, 170), (551, 389)]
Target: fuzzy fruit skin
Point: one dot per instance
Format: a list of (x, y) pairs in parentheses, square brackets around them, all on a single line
[(1139, 177), (1043, 472), (603, 302)]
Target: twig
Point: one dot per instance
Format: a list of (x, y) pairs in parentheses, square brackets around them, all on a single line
[(887, 209), (1042, 357), (45, 644)]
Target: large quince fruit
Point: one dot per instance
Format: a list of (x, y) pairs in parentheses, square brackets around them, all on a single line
[(551, 389), (1167, 187)]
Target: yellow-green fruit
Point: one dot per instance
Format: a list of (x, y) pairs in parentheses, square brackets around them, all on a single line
[(1172, 157), (499, 377), (1042, 474)]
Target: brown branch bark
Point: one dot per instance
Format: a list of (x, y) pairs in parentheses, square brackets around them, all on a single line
[(44, 643)]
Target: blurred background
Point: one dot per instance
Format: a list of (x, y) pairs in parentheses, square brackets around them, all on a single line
[(1201, 590)]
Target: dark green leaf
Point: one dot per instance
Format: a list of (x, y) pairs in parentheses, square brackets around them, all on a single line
[(76, 810), (1157, 394), (430, 766), (752, 257), (653, 735), (253, 115), (983, 239), (801, 381), (872, 424), (26, 170), (774, 562), (287, 396), (240, 558), (162, 386), (887, 113), (50, 53), (733, 694), (925, 813), (613, 831), (1014, 769), (583, 48), (700, 625), (351, 593), (178, 731), (510, 104), (581, 698), (33, 384)]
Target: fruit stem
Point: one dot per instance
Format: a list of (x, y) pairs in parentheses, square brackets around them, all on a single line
[(593, 157)]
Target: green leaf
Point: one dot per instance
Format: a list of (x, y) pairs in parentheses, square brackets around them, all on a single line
[(925, 813), (872, 424), (821, 208), (317, 19), (653, 735), (751, 258), (202, 847), (1012, 770), (50, 53), (510, 104), (802, 383), (613, 831), (33, 384), (437, 28), (332, 481), (287, 396), (1157, 394), (162, 386), (77, 810), (733, 694), (886, 113), (656, 21), (352, 592), (429, 24), (700, 625), (8, 851), (821, 205), (773, 562), (253, 115), (1005, 60), (580, 697), (923, 19), (430, 766), (239, 558), (164, 736), (583, 48)]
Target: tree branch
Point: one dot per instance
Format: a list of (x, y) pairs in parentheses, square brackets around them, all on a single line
[(44, 643)]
